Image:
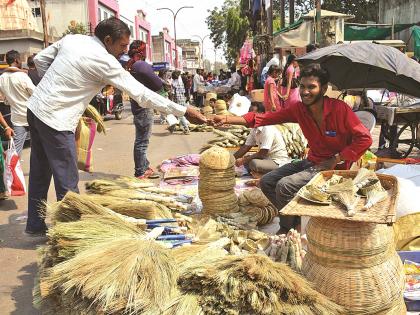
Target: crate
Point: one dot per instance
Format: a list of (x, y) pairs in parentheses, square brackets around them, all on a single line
[(413, 256)]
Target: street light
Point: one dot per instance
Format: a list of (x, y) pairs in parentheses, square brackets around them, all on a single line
[(202, 47), (174, 15)]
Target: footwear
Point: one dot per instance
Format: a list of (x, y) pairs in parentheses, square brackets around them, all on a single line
[(150, 173), (171, 128), (35, 233)]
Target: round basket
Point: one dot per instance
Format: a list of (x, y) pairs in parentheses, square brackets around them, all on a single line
[(340, 243), (360, 291)]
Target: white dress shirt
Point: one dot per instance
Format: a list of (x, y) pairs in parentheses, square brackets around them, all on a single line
[(197, 81), (74, 70), (235, 81), (17, 87), (269, 138)]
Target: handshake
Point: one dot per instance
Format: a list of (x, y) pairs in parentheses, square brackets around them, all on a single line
[(195, 117)]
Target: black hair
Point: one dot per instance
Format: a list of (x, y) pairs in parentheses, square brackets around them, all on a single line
[(310, 47), (175, 74), (162, 73), (272, 69), (315, 70), (260, 107), (11, 56), (113, 27), (232, 69), (289, 61), (30, 62)]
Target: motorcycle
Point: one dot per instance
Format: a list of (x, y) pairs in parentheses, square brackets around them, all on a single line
[(109, 102)]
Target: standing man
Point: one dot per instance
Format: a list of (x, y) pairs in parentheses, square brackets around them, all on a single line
[(197, 81), (32, 72), (179, 98), (335, 135), (142, 117), (17, 87), (73, 70), (235, 80)]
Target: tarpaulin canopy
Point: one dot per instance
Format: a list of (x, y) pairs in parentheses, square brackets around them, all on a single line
[(416, 37), (299, 36), (353, 32)]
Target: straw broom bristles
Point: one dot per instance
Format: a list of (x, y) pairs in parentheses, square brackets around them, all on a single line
[(183, 304), (126, 275), (253, 285), (69, 238)]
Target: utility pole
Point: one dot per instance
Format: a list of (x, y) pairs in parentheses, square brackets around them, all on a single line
[(270, 19), (291, 12), (318, 22), (202, 47), (44, 23), (282, 14), (174, 15)]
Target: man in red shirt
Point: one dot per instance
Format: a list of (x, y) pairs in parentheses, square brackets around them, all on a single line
[(335, 135)]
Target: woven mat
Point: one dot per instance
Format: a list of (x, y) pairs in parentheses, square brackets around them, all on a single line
[(383, 212)]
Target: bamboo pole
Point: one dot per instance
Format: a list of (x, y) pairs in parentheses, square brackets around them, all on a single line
[(44, 23)]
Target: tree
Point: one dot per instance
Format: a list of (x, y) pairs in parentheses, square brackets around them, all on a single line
[(301, 7), (228, 28), (75, 28), (363, 10)]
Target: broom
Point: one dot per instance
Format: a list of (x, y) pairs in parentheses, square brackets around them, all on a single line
[(69, 238), (253, 284), (345, 193), (121, 276), (182, 304)]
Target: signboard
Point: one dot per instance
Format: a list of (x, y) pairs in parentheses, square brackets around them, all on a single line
[(157, 66)]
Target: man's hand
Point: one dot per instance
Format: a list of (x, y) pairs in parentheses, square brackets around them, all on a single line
[(327, 165), (217, 120), (9, 133), (194, 116), (239, 162)]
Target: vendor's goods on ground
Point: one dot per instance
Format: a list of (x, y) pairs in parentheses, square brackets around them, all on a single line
[(195, 128), (217, 182), (230, 138), (294, 139)]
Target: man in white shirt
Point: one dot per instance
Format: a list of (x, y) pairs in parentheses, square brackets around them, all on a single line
[(17, 87), (235, 80), (73, 70), (271, 153), (198, 80)]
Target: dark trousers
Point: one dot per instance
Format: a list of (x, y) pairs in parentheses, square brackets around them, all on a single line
[(282, 184), (143, 120), (53, 154)]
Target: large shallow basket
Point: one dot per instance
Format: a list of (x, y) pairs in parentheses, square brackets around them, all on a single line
[(360, 291), (383, 212)]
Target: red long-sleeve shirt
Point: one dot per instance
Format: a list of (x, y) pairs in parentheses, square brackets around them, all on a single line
[(341, 131)]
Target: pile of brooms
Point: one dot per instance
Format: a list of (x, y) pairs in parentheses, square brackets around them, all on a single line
[(99, 261)]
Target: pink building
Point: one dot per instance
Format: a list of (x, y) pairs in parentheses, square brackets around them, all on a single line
[(99, 10), (143, 32), (164, 49)]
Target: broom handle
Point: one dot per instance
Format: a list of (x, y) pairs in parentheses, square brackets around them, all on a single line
[(179, 243), (161, 221), (175, 237)]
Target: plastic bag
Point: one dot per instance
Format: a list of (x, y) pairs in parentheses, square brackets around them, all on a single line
[(14, 180), (85, 134)]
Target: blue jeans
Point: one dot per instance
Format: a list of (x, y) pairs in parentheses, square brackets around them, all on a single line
[(20, 136), (143, 120), (53, 154)]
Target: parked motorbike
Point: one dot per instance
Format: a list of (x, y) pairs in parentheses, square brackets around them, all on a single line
[(109, 102)]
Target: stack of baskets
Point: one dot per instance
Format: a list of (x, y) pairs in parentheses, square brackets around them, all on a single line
[(355, 265), (217, 182), (220, 108)]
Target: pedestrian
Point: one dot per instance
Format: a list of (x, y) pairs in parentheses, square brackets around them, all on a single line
[(179, 98), (187, 80), (32, 72), (235, 80), (72, 71), (271, 94), (264, 72), (165, 91), (335, 135), (17, 87), (289, 81), (142, 117), (198, 81)]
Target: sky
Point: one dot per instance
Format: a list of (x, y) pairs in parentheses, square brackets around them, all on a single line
[(189, 22)]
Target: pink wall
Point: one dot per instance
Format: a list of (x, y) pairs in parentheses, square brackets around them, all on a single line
[(141, 23), (93, 9)]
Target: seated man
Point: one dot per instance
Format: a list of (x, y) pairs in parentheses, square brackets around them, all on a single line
[(335, 136), (272, 151)]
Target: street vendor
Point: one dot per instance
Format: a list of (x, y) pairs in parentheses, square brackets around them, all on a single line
[(73, 70), (335, 135)]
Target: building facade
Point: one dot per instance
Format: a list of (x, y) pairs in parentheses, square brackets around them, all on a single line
[(190, 54), (164, 50), (144, 32)]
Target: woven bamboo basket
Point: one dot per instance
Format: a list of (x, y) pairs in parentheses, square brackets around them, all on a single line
[(383, 212), (355, 265)]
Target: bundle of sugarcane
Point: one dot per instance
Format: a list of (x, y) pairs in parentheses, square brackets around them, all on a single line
[(233, 137), (217, 182), (121, 276), (252, 284), (294, 139), (195, 128), (93, 113)]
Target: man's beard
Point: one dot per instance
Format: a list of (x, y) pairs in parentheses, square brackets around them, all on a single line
[(316, 99)]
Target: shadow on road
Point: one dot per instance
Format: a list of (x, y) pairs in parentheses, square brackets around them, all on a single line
[(22, 295), (7, 205)]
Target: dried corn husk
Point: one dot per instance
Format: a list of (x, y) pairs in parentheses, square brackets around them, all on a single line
[(93, 113)]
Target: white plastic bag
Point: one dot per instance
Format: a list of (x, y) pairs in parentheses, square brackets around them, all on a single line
[(14, 180)]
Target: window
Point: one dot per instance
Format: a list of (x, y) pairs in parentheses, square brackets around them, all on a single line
[(131, 30), (105, 15), (36, 12), (99, 14)]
